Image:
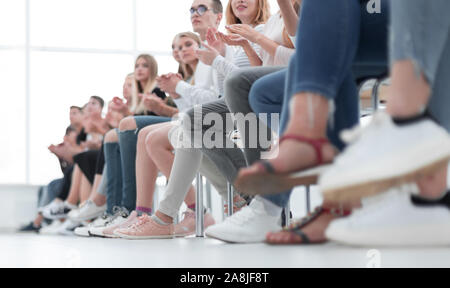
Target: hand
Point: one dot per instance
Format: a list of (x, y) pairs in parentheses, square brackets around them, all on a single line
[(168, 83), (215, 42), (245, 31), (207, 55), (233, 39), (119, 106), (153, 103)]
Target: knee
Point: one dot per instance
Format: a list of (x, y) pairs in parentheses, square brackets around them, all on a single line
[(234, 80), (255, 96), (127, 124), (154, 142), (111, 137)]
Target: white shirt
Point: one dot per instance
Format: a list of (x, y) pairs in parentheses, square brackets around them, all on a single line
[(238, 58), (274, 30), (205, 89)]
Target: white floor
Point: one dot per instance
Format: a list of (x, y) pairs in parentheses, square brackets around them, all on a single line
[(30, 250)]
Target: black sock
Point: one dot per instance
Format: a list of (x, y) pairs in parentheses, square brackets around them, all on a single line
[(413, 119), (444, 201)]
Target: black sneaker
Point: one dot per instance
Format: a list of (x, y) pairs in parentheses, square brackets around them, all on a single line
[(29, 228)]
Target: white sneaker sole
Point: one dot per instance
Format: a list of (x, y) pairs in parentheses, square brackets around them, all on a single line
[(369, 188), (424, 235), (128, 237)]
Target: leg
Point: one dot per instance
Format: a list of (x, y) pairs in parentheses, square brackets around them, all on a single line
[(237, 89), (146, 171), (129, 129), (85, 188), (113, 171), (74, 193)]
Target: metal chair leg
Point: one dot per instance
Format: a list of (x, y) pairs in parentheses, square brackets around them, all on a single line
[(208, 195), (287, 214), (230, 199), (199, 220), (375, 98), (308, 198)]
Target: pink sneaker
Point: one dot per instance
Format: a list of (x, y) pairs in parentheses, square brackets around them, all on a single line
[(145, 228), (109, 231), (187, 226)]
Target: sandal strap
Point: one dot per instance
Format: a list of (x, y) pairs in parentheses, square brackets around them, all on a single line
[(299, 232), (267, 166), (317, 144)]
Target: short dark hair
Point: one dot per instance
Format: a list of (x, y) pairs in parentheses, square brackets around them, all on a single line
[(76, 107), (217, 6), (100, 100), (70, 129)]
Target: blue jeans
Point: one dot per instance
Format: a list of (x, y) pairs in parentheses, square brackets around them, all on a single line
[(338, 42), (127, 149), (421, 32)]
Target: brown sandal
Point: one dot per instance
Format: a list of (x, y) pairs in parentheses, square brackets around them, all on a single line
[(267, 181), (295, 229)]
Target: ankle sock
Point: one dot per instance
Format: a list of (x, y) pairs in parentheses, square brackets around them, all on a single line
[(143, 210), (425, 202), (159, 221), (413, 119)]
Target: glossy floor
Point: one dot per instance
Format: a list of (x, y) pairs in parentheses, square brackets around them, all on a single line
[(30, 250)]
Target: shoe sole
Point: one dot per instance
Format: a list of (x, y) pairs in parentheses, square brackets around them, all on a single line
[(268, 183), (232, 241), (429, 235), (371, 188), (86, 218), (128, 237)]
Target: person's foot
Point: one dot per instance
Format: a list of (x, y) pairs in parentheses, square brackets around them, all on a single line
[(294, 154), (68, 228), (99, 222), (187, 226), (146, 228), (394, 219), (87, 212), (58, 210), (309, 230), (249, 225), (51, 229), (119, 220), (30, 227), (384, 155)]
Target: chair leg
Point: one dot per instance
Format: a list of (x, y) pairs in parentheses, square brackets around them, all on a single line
[(287, 213), (199, 215), (230, 199), (375, 98), (308, 198)]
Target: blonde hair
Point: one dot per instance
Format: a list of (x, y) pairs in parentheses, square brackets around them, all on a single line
[(261, 17), (188, 72), (137, 105)]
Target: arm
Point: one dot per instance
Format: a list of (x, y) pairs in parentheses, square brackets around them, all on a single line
[(290, 16)]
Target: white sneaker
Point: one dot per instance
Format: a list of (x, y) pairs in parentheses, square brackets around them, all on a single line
[(383, 155), (249, 225), (99, 222), (87, 212), (51, 229), (117, 220), (68, 227), (57, 210), (391, 219)]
